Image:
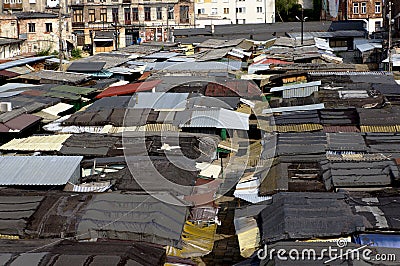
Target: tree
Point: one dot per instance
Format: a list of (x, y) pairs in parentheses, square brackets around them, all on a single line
[(283, 8)]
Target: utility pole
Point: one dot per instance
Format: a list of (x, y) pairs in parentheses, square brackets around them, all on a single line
[(302, 24), (390, 37), (60, 44)]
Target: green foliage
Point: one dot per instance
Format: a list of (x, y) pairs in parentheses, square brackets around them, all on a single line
[(54, 53), (283, 8), (43, 52), (76, 53)]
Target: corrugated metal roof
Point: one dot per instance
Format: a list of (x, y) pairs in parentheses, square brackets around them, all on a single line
[(38, 170), (218, 118), (9, 94), (340, 129), (208, 66), (57, 109), (12, 86), (296, 86), (36, 143), (395, 128), (161, 55), (294, 108), (161, 101), (350, 73), (133, 216), (24, 61), (129, 88), (21, 122), (298, 128)]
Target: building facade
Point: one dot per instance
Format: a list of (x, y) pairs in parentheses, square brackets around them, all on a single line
[(112, 24), (34, 6), (369, 11), (213, 12), (39, 31)]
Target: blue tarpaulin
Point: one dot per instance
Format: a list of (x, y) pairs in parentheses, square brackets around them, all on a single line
[(378, 240)]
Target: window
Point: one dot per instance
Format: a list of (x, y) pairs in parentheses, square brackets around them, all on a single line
[(214, 11), (147, 13), (363, 8), (214, 1), (377, 25), (170, 12), (377, 7), (259, 9), (355, 8), (135, 14), (49, 27), (78, 15), (201, 11), (127, 16), (103, 14), (226, 10), (241, 10), (115, 15), (184, 14), (31, 27), (92, 15), (159, 12)]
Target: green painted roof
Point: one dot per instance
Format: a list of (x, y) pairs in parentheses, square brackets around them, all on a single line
[(74, 89)]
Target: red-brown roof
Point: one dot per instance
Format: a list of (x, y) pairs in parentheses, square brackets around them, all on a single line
[(8, 74), (128, 88), (334, 129), (272, 61), (21, 122), (33, 92)]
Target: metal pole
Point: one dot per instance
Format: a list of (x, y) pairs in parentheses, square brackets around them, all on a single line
[(390, 37), (60, 44), (302, 24)]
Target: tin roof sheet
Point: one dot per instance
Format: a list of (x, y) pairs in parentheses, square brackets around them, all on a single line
[(37, 170)]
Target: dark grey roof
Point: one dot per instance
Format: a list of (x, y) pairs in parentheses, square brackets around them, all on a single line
[(33, 15), (373, 117), (359, 174), (301, 143), (110, 103), (257, 32), (381, 210), (15, 213), (346, 142), (386, 143), (346, 116), (134, 217), (80, 253), (6, 41), (347, 25), (308, 215), (88, 145), (86, 67), (302, 117)]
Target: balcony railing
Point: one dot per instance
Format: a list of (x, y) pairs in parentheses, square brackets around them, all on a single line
[(78, 24), (128, 22), (12, 6)]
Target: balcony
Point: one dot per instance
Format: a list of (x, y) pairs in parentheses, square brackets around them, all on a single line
[(126, 1), (13, 6), (78, 24), (128, 22)]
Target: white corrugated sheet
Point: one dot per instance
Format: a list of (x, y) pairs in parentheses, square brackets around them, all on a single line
[(218, 118), (91, 187), (36, 143), (39, 170), (294, 108), (248, 191), (349, 94), (58, 108), (161, 101), (209, 170)]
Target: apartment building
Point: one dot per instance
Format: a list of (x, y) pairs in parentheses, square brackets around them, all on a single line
[(213, 12), (111, 24), (39, 31)]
